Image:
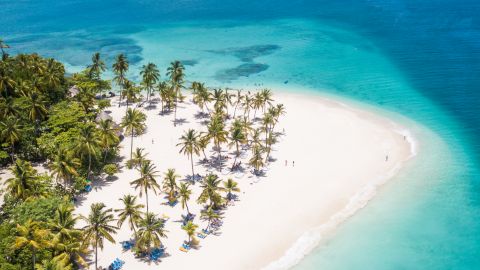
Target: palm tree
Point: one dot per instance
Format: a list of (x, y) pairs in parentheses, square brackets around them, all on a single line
[(203, 144), (120, 68), (190, 229), (150, 231), (257, 103), (130, 91), (98, 227), (209, 214), (31, 235), (190, 146), (10, 132), (134, 123), (175, 72), (97, 67), (217, 132), (150, 76), (210, 191), (64, 166), (8, 107), (36, 107), (131, 211), (66, 239), (267, 123), (184, 192), (238, 100), (170, 184), (266, 95), (230, 186), (88, 144), (108, 136), (237, 137), (21, 183), (137, 158), (147, 179), (257, 160)]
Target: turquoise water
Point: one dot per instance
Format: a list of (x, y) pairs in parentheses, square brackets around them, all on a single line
[(419, 59)]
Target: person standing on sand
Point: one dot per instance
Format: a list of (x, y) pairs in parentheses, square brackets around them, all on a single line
[(286, 162), (386, 158), (293, 163)]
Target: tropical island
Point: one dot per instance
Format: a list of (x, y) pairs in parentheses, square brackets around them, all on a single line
[(168, 172)]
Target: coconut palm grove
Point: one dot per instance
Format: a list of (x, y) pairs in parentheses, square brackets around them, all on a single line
[(59, 142)]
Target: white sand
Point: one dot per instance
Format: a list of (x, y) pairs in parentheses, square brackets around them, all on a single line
[(339, 154)]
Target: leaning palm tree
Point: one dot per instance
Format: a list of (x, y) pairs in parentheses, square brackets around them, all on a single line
[(150, 76), (190, 146), (184, 193), (98, 227), (134, 123), (209, 214), (170, 184), (230, 186), (97, 67), (63, 166), (24, 176), (87, 144), (120, 68), (150, 231), (190, 229), (147, 179), (10, 132), (210, 191), (131, 210), (31, 235)]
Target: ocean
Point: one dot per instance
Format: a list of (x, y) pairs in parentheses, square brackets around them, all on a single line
[(417, 62)]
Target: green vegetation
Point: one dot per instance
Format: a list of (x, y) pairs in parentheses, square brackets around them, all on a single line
[(58, 121)]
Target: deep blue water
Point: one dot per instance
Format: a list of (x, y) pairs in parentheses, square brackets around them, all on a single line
[(417, 58)]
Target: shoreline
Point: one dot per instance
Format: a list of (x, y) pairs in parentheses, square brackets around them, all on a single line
[(292, 241), (314, 237), (266, 199)]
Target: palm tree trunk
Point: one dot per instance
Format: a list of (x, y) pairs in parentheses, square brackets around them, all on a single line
[(33, 257), (193, 172), (131, 142), (146, 197), (89, 164), (105, 155), (96, 252), (186, 205), (12, 153)]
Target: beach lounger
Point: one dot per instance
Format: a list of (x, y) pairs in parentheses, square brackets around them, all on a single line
[(183, 249), (201, 235)]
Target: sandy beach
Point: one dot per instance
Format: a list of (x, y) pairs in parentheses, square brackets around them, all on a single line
[(340, 157)]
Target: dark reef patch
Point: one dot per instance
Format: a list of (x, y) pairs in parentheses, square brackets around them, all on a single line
[(189, 62), (247, 54), (244, 70)]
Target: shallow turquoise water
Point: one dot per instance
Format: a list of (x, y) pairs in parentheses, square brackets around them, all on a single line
[(419, 59)]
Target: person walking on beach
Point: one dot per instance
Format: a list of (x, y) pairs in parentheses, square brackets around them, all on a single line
[(286, 162), (386, 158), (293, 163)]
